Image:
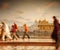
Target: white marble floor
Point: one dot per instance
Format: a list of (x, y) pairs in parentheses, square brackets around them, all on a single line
[(30, 40), (27, 48)]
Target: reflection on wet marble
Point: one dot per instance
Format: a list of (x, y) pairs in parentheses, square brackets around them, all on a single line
[(27, 48)]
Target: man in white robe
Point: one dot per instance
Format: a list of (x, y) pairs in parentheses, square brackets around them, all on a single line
[(5, 31)]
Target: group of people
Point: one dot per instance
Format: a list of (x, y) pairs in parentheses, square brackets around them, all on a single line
[(6, 33), (11, 34)]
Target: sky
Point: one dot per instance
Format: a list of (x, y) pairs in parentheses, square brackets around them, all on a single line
[(27, 11)]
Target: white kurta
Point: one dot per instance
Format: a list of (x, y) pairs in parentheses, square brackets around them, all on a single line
[(6, 29), (6, 32)]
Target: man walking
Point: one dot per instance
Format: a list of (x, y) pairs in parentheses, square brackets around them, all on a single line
[(5, 31), (14, 30), (55, 31), (25, 31)]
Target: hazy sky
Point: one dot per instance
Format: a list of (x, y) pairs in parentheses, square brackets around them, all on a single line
[(27, 11)]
